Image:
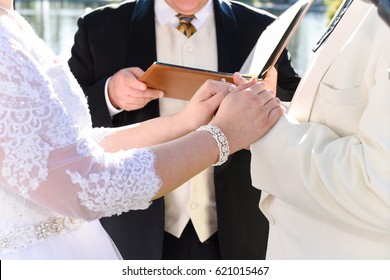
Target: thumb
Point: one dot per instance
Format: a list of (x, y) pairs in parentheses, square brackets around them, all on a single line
[(238, 79), (132, 78), (136, 71)]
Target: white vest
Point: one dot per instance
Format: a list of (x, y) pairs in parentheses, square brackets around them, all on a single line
[(189, 201)]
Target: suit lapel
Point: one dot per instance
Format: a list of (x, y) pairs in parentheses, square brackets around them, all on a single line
[(228, 42), (227, 46), (141, 51), (336, 19), (302, 102), (141, 35)]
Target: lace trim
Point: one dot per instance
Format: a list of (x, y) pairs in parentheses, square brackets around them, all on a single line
[(130, 185), (24, 237)]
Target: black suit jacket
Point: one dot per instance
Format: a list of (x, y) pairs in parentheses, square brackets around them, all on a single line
[(119, 36)]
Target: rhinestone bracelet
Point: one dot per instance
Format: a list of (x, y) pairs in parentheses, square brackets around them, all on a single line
[(221, 140)]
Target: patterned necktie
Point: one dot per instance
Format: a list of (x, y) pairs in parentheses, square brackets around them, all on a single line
[(185, 26), (333, 24)]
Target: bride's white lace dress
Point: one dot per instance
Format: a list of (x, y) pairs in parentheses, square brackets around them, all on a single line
[(55, 181)]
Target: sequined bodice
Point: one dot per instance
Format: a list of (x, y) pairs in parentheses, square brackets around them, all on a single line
[(53, 174)]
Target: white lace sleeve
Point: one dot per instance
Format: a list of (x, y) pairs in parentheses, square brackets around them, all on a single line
[(47, 154)]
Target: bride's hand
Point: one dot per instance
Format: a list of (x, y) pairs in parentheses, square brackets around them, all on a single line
[(205, 103)]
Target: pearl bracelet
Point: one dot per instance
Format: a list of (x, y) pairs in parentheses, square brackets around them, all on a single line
[(221, 140)]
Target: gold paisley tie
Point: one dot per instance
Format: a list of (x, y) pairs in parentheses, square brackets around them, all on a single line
[(185, 26)]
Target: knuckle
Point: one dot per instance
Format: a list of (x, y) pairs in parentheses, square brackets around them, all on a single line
[(209, 82)]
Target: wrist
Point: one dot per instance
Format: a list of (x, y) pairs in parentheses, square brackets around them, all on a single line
[(109, 99), (233, 136), (187, 121), (111, 109)]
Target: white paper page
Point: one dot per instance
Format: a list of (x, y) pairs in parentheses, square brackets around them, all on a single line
[(270, 38)]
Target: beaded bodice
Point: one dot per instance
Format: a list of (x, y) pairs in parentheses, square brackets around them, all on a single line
[(53, 175)]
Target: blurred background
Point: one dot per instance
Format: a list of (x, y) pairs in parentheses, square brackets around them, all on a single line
[(56, 22)]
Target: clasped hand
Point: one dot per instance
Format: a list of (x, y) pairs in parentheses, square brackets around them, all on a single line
[(245, 111)]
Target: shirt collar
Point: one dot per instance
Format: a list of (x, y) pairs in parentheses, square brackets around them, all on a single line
[(164, 14)]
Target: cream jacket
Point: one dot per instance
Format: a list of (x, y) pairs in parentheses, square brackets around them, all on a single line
[(326, 182)]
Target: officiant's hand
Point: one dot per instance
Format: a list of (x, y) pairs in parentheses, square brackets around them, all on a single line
[(127, 93), (271, 79)]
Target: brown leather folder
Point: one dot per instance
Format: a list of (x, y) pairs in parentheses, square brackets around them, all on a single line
[(179, 81)]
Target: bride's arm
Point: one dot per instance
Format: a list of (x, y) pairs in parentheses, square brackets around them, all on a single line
[(198, 112), (182, 158)]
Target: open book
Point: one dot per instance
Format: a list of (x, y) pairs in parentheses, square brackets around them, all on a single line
[(182, 82)]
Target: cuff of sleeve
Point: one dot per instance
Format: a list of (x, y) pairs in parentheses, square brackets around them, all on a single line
[(111, 109), (268, 152), (268, 140)]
